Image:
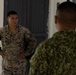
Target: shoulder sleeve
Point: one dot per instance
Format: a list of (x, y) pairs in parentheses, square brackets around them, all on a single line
[(39, 61), (31, 41)]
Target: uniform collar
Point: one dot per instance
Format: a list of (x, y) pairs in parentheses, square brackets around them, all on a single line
[(7, 29)]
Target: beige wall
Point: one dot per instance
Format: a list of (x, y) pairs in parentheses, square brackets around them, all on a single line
[(1, 12), (1, 25)]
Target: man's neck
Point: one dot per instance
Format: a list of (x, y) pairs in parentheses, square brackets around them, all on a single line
[(12, 27)]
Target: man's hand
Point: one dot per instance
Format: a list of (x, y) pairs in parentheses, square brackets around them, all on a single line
[(21, 56)]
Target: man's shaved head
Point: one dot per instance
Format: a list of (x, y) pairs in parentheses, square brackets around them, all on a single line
[(66, 13)]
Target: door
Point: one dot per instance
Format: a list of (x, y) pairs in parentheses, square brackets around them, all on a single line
[(33, 14)]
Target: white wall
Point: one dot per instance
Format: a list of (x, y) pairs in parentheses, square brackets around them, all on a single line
[(1, 12), (1, 25)]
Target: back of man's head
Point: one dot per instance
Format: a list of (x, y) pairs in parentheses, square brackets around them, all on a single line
[(66, 13)]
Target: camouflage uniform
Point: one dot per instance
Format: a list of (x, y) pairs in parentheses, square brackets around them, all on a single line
[(55, 56), (21, 40)]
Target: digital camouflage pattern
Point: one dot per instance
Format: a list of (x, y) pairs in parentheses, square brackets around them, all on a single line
[(21, 40), (56, 56)]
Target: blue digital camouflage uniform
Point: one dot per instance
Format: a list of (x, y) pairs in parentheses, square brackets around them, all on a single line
[(55, 56), (21, 40)]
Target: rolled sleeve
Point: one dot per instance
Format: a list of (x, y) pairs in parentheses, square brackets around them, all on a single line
[(38, 62)]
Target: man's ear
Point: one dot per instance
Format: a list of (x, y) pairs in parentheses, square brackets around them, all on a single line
[(55, 19)]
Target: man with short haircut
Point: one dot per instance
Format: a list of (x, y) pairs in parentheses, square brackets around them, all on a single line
[(18, 45), (57, 55)]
